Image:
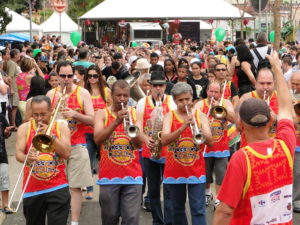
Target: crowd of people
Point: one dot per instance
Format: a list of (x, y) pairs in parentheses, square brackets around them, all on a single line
[(216, 121)]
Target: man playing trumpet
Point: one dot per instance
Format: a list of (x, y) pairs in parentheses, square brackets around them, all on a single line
[(120, 173), (264, 90), (183, 131), (216, 157), (150, 113), (47, 192)]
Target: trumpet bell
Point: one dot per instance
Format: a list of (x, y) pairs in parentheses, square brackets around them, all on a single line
[(43, 143), (132, 131), (218, 112), (199, 138)]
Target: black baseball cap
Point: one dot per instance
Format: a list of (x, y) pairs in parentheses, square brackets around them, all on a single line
[(255, 112), (157, 77)]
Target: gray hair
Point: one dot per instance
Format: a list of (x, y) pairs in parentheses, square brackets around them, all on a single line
[(41, 98), (144, 77), (180, 88), (295, 72), (261, 38)]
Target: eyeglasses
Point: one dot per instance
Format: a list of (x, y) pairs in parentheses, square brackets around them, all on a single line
[(95, 76), (221, 70), (66, 75)]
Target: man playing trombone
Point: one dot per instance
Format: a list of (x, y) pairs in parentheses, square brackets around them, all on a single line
[(120, 173), (216, 157), (184, 131), (47, 191), (150, 112)]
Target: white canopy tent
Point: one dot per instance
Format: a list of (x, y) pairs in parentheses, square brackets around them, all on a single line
[(52, 26), (20, 24), (164, 9)]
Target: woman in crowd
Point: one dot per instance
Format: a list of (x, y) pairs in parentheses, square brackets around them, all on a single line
[(37, 87), (23, 82), (170, 69), (246, 71), (100, 93), (200, 81)]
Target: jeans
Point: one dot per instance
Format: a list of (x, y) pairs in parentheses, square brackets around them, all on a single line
[(120, 200), (196, 193), (154, 175), (92, 150)]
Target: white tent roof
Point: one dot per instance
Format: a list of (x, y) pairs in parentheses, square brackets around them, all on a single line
[(203, 25), (145, 26), (164, 9), (19, 23), (52, 24)]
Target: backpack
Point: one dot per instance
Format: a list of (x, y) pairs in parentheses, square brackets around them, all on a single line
[(262, 63)]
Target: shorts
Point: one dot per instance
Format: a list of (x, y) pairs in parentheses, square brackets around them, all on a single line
[(4, 178), (217, 166), (79, 168), (22, 108), (14, 99)]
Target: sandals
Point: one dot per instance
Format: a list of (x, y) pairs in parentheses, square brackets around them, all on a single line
[(7, 210), (89, 196)]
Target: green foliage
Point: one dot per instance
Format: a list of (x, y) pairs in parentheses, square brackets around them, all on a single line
[(20, 6), (4, 19), (287, 30), (79, 7)]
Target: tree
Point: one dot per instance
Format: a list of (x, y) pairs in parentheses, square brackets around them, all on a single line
[(4, 19), (20, 6), (78, 7), (277, 23)]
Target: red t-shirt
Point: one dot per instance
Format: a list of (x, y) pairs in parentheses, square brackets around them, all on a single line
[(235, 178)]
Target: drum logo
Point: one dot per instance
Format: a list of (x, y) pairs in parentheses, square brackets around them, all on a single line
[(184, 151), (121, 150)]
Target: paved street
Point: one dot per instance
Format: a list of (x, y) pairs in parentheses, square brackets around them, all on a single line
[(90, 214)]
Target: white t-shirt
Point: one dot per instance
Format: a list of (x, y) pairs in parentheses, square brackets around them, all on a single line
[(3, 97), (262, 51), (288, 74)]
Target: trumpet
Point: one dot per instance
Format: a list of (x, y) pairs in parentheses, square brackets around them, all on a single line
[(45, 142), (219, 111), (198, 137), (130, 129), (266, 97), (19, 177)]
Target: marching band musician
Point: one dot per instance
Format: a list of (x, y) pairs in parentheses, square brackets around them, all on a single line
[(78, 111), (230, 91), (47, 192), (120, 173), (257, 188), (216, 157), (147, 117), (185, 166), (265, 91), (295, 85)]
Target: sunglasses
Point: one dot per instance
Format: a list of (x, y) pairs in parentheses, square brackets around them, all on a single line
[(95, 76), (220, 70), (66, 75)]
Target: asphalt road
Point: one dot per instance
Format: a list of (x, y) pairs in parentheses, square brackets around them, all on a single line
[(90, 214)]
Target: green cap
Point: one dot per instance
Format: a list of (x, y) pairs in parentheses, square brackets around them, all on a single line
[(35, 52)]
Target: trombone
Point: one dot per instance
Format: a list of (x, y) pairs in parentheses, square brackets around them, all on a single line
[(131, 130), (44, 142), (266, 97), (19, 177), (198, 137), (219, 111)]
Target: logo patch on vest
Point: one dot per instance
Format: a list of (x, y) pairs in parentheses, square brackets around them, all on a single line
[(120, 150), (185, 151), (217, 129), (46, 167)]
